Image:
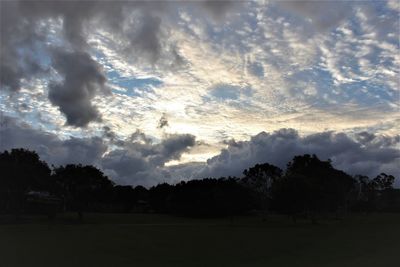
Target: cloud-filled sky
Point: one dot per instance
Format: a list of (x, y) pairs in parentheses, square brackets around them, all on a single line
[(154, 91)]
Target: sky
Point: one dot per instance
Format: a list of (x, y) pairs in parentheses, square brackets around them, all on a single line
[(164, 91)]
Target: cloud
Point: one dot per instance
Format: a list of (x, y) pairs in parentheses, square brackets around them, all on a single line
[(366, 154), (146, 40), (29, 45), (172, 147), (218, 9), (323, 14), (18, 47), (394, 4), (82, 80), (50, 147), (138, 160), (225, 92), (32, 30), (163, 122)]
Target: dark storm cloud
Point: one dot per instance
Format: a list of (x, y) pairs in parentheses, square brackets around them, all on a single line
[(139, 157), (50, 148), (169, 148), (19, 41), (84, 150), (146, 39), (172, 147), (127, 166), (82, 80), (139, 161), (370, 157), (136, 160)]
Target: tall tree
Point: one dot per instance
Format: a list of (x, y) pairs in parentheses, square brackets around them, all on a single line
[(82, 186), (260, 179), (383, 182), (311, 186), (21, 171)]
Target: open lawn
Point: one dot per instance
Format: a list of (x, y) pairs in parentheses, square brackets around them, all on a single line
[(114, 240)]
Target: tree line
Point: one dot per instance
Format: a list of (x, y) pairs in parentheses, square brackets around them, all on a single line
[(309, 187)]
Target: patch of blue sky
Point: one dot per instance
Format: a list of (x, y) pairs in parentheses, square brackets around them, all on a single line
[(4, 103), (310, 74), (132, 86), (225, 92), (247, 91), (236, 96), (228, 36), (366, 94), (256, 69), (354, 25), (383, 19), (37, 53), (381, 7), (317, 77), (30, 114), (326, 92)]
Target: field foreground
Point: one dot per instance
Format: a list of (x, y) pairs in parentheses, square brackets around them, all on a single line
[(156, 240)]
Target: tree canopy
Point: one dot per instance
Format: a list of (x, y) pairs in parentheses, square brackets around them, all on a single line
[(309, 186)]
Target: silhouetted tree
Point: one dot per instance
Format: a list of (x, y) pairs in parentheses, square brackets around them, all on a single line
[(141, 193), (383, 182), (260, 179), (210, 197), (375, 194), (21, 171), (387, 195), (124, 195), (82, 186), (365, 194), (311, 186), (232, 198), (159, 197)]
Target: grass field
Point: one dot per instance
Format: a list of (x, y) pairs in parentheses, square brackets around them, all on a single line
[(153, 240)]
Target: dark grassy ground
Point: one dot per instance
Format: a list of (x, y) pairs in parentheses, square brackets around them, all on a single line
[(155, 240)]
